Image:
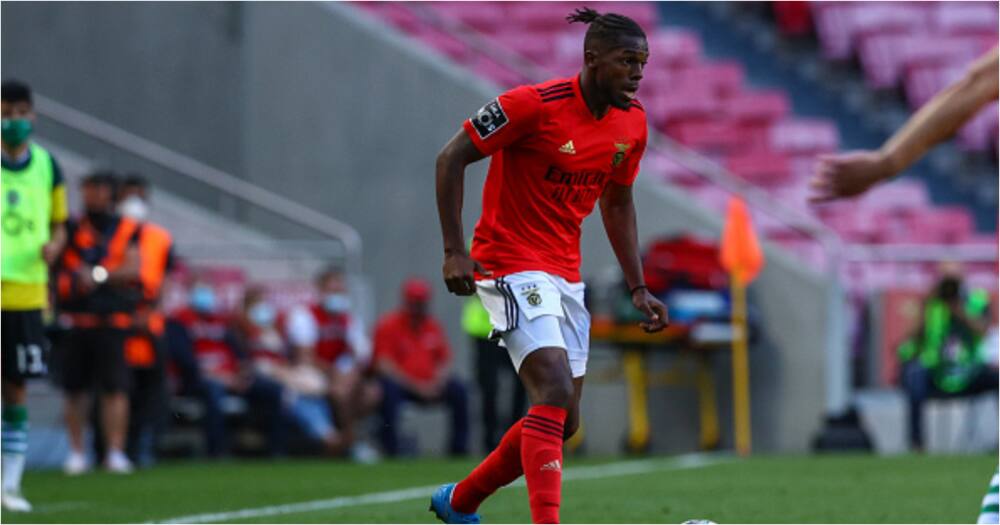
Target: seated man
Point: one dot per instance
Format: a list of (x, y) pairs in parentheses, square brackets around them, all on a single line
[(223, 368), (306, 385), (944, 357), (412, 359), (330, 332)]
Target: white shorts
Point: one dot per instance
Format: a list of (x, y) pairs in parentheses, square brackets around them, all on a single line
[(532, 310)]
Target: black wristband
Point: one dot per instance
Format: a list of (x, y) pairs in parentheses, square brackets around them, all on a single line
[(640, 287)]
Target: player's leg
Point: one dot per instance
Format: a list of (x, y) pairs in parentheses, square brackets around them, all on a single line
[(344, 393), (989, 512), (548, 380), (15, 414), (916, 381), (114, 378), (78, 369)]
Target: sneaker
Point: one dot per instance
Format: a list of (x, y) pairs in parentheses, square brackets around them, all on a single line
[(76, 464), (441, 506), (364, 453), (118, 463), (14, 502)]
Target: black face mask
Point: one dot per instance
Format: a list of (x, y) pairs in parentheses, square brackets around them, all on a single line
[(100, 219)]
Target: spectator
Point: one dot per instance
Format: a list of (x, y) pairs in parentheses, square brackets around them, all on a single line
[(944, 357), (331, 332), (412, 358), (224, 369), (305, 383), (99, 289)]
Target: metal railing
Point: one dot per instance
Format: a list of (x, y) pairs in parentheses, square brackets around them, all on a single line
[(195, 170)]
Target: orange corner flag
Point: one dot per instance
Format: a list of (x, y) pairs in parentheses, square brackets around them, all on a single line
[(741, 255)]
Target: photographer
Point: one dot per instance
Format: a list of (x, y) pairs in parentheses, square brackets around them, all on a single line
[(944, 356)]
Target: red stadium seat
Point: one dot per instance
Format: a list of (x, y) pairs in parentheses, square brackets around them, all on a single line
[(757, 106), (803, 136), (763, 168)]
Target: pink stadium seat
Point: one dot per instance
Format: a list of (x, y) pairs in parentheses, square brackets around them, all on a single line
[(839, 25), (446, 44), (487, 17), (666, 107), (963, 18), (757, 106), (900, 194), (674, 47), (978, 134), (718, 136), (762, 168), (721, 78), (801, 136), (885, 58)]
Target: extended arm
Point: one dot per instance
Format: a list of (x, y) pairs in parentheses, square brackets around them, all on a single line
[(851, 174), (618, 214)]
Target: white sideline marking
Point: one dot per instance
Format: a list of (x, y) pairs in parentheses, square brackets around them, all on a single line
[(623, 468)]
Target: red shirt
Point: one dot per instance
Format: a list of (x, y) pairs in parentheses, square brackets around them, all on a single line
[(418, 352), (208, 336), (551, 160)]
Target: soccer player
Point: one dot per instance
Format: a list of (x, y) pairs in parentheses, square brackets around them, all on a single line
[(851, 174), (34, 232), (557, 147)]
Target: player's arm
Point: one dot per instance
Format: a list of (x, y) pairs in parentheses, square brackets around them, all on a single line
[(57, 219), (458, 268), (618, 214), (851, 174)]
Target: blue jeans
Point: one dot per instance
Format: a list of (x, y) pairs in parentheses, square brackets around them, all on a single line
[(454, 395), (312, 415), (263, 397)]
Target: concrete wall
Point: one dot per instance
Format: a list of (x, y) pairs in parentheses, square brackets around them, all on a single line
[(332, 109)]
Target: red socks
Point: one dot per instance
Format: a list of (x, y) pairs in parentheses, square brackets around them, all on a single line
[(535, 443), (501, 467), (541, 458)]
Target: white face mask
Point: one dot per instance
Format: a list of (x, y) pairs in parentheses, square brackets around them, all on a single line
[(134, 208)]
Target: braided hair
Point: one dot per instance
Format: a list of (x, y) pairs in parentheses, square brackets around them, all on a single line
[(605, 28)]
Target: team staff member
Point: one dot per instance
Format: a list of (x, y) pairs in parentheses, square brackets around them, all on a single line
[(144, 346), (33, 204), (557, 147), (99, 290)]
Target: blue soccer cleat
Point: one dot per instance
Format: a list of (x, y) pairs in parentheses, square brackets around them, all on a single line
[(441, 505)]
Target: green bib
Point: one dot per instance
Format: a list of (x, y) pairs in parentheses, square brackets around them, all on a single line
[(25, 211)]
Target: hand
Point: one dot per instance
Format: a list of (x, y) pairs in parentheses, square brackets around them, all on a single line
[(459, 273), (653, 308), (50, 252), (85, 279), (848, 174)]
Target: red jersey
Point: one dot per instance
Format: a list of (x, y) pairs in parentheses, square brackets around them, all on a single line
[(419, 352), (331, 340), (551, 160), (208, 337)]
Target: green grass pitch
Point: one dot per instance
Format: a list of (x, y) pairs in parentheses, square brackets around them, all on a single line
[(774, 489)]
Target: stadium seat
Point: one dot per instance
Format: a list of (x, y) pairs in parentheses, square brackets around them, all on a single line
[(674, 47), (802, 136), (763, 168), (964, 18), (757, 106)]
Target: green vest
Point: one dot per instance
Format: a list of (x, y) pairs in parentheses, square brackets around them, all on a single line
[(475, 319), (26, 210), (952, 374)]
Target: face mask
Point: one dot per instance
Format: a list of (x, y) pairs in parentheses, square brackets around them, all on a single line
[(16, 131), (134, 208), (261, 314), (203, 299), (337, 303), (99, 219)]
